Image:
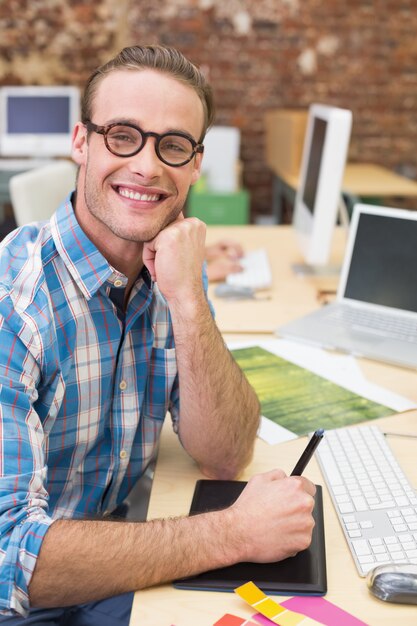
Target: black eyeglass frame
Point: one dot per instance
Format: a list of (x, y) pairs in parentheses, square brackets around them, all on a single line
[(103, 130)]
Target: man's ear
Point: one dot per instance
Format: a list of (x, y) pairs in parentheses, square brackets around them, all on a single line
[(79, 144), (198, 159)]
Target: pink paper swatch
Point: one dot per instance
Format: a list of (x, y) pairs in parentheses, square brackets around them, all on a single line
[(317, 608)]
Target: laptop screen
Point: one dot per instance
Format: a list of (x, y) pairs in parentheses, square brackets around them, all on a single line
[(383, 267)]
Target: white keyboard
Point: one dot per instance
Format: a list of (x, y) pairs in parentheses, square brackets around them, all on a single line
[(375, 503), (256, 272)]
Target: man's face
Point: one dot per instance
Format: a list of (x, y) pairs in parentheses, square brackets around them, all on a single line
[(132, 199)]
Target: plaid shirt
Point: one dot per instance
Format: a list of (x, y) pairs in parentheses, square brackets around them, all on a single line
[(84, 387)]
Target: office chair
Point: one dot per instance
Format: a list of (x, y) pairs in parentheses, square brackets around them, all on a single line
[(35, 194)]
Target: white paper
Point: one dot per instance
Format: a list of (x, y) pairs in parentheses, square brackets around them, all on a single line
[(340, 369), (273, 433)]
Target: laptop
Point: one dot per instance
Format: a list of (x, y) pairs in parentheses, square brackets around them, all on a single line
[(375, 311)]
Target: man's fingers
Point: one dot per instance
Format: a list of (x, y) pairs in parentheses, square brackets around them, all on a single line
[(148, 257)]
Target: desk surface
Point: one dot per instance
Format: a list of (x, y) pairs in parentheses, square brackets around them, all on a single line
[(171, 495), (291, 295), (176, 473), (368, 180)]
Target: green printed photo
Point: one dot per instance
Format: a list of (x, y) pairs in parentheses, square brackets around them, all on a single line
[(300, 400)]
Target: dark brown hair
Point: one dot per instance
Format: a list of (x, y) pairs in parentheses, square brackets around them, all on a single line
[(163, 59)]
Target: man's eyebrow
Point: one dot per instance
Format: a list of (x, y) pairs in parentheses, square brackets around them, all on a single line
[(123, 121)]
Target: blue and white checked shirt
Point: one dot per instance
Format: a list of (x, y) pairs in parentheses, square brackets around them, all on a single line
[(84, 389)]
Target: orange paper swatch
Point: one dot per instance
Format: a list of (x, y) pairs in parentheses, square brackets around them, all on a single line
[(234, 620), (277, 613)]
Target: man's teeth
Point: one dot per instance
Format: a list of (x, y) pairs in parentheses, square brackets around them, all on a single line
[(134, 195)]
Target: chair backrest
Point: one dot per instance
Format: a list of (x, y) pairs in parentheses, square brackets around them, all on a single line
[(37, 193)]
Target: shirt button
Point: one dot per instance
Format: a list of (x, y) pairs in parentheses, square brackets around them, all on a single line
[(123, 454), (118, 282), (123, 385)]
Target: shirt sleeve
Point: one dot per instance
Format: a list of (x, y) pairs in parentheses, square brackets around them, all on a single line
[(24, 518), (205, 285)]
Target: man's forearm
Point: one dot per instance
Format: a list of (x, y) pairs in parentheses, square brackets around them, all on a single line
[(83, 561), (219, 410)]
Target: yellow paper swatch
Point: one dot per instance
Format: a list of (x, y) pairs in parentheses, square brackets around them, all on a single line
[(269, 608), (277, 613), (290, 618), (250, 593)]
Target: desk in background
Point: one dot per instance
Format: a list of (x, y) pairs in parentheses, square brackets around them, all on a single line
[(10, 167), (5, 176), (291, 296), (176, 473), (360, 181), (171, 495)]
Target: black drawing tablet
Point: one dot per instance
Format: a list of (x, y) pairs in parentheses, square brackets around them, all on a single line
[(303, 574)]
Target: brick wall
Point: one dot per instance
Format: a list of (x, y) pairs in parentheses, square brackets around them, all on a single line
[(258, 54)]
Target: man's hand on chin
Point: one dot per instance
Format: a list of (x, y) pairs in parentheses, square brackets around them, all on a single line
[(175, 257)]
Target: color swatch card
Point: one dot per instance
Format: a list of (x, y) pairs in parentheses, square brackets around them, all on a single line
[(234, 620), (299, 610), (323, 611), (277, 613)]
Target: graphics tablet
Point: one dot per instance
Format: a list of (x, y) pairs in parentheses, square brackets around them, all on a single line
[(303, 574)]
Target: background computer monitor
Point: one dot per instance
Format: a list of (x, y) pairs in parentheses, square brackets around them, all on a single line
[(318, 195), (37, 121)]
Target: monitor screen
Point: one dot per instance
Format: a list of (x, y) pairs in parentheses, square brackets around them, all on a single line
[(37, 121), (314, 161), (38, 114), (319, 188)]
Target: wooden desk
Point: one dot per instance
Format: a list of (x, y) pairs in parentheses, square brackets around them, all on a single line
[(5, 177), (8, 168), (360, 181), (368, 180), (176, 473), (291, 295), (171, 495)]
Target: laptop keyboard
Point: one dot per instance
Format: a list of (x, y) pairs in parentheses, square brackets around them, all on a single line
[(375, 323), (256, 272)]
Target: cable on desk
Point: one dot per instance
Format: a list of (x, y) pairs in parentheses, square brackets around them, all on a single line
[(400, 435)]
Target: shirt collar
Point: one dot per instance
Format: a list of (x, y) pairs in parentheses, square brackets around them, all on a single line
[(84, 261)]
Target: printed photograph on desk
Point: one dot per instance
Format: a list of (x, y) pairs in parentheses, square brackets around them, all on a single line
[(299, 400)]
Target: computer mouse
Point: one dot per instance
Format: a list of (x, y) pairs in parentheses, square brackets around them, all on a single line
[(233, 292), (394, 582)]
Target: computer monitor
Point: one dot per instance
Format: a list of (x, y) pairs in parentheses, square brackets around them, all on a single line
[(37, 121), (318, 195)]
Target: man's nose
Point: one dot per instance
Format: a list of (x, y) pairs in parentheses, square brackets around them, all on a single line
[(146, 162)]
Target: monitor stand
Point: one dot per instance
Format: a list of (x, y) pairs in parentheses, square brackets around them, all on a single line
[(329, 270), (320, 271)]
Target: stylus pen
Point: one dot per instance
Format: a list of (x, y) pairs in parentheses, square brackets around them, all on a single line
[(308, 452)]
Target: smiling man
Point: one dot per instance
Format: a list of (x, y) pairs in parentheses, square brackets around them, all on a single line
[(104, 327)]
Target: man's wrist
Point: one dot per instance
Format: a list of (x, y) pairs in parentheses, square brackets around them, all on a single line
[(229, 538), (189, 311)]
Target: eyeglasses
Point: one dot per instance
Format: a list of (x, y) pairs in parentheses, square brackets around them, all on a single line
[(126, 140)]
